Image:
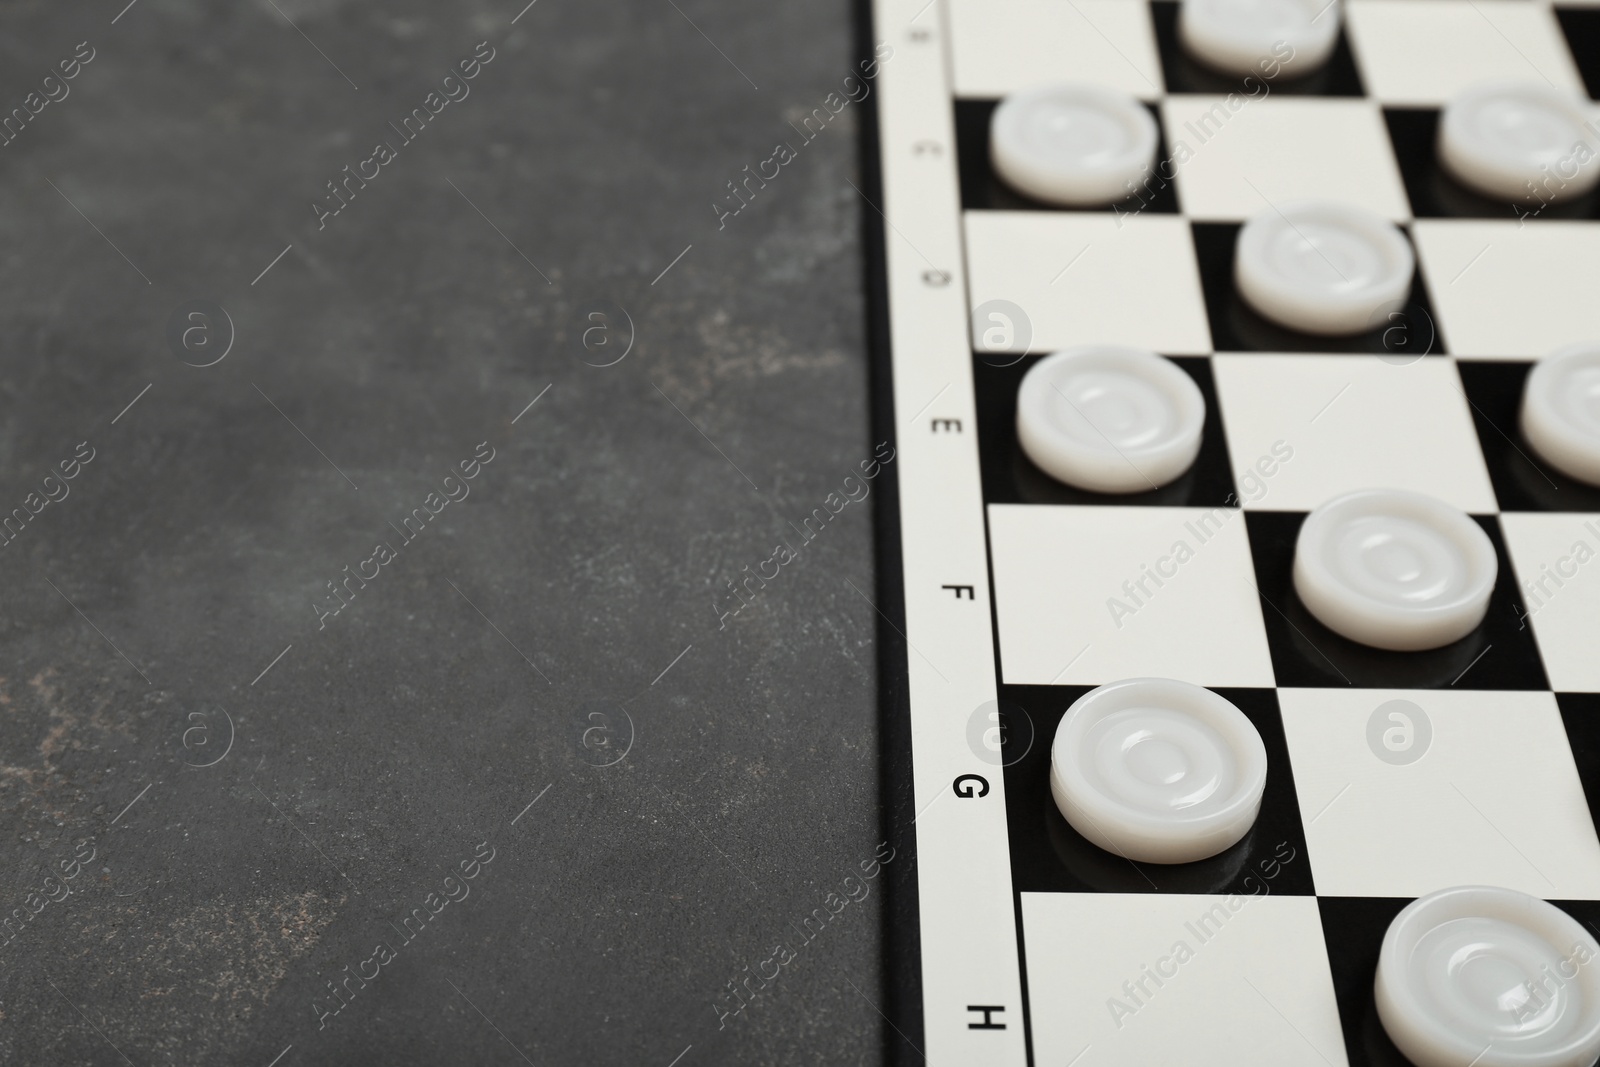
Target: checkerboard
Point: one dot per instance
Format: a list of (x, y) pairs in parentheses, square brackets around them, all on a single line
[(1390, 774)]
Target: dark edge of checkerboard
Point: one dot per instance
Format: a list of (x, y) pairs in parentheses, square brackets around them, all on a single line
[(902, 940)]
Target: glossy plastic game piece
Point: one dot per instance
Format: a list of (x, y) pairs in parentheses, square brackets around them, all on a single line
[(1322, 268), (1073, 145), (1242, 37), (1561, 410), (1394, 569), (1158, 770), (1476, 975), (1110, 419), (1520, 142)]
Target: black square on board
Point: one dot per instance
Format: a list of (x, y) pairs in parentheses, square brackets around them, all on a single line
[(1353, 928), (1434, 194), (1580, 714), (1184, 74), (1582, 27), (1235, 327), (1522, 481), (1010, 477), (1499, 654), (982, 188), (1048, 855)]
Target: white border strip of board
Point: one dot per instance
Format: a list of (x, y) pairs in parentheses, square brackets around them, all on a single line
[(972, 989)]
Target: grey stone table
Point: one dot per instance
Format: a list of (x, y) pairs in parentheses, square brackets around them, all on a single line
[(373, 687)]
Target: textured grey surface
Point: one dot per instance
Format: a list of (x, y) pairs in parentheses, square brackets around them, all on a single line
[(138, 612)]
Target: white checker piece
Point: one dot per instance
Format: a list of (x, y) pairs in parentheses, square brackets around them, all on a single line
[(1557, 560), (1395, 570), (1072, 145), (1510, 290), (1560, 412), (1021, 44), (1504, 140), (1350, 422), (1433, 1001), (1255, 989), (1423, 52), (1059, 569), (1493, 800), (1242, 39), (1089, 277), (1238, 150)]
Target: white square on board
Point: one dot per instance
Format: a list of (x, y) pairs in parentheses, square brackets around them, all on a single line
[(1236, 156), (1249, 984), (1557, 560), (1509, 289), (1426, 51), (1000, 48), (1067, 618), (1493, 799), (1303, 429), (1090, 277)]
